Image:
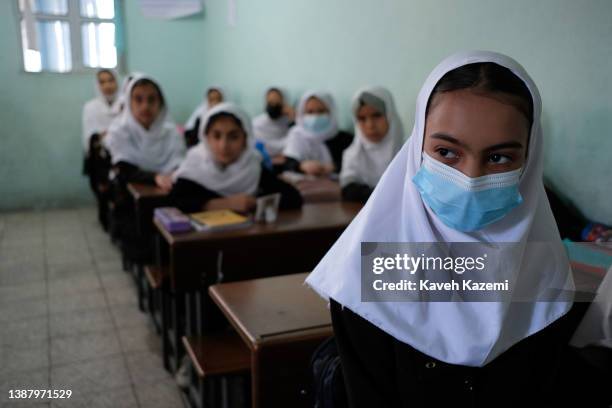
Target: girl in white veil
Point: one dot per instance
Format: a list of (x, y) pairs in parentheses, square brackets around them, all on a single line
[(471, 172)]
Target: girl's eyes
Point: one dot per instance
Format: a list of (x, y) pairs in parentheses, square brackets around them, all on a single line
[(447, 153), (497, 158), (373, 116), (233, 136)]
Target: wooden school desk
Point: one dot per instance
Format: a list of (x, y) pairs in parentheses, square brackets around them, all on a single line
[(314, 190), (194, 260), (146, 198), (282, 322)]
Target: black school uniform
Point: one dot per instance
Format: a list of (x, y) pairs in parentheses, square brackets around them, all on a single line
[(357, 192), (380, 371), (96, 165), (190, 196)]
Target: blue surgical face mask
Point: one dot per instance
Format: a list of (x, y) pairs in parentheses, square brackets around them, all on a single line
[(317, 123), (465, 203)]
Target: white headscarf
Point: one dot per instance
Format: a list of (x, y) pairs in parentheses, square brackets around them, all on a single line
[(272, 132), (364, 161), (595, 328), (466, 333), (302, 144), (202, 108), (122, 98), (159, 149), (99, 112), (242, 176)]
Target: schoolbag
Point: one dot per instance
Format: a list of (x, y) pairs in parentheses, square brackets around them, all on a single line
[(328, 382)]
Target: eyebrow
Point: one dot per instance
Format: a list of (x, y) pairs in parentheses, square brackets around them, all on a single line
[(505, 145), (448, 138)]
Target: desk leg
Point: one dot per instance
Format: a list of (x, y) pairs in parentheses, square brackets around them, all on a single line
[(165, 326), (172, 329)]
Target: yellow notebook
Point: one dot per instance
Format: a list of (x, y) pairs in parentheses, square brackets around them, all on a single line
[(219, 219)]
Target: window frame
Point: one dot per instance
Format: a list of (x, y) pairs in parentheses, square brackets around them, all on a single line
[(75, 22)]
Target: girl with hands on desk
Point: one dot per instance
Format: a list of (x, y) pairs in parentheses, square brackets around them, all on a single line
[(144, 144), (225, 171)]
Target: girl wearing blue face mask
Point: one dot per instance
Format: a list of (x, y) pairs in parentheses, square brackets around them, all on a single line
[(314, 144), (470, 172)]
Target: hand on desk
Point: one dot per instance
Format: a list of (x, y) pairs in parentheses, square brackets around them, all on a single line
[(164, 181), (316, 168)]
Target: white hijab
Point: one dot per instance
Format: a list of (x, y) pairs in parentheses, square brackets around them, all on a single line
[(303, 144), (466, 333), (99, 112), (159, 149), (595, 328), (122, 99), (242, 176), (272, 132), (364, 161), (202, 108)]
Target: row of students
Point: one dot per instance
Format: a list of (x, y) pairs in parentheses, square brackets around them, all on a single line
[(313, 145)]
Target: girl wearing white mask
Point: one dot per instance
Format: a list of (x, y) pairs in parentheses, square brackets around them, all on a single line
[(213, 96), (98, 114), (471, 172), (225, 171), (378, 137), (314, 144)]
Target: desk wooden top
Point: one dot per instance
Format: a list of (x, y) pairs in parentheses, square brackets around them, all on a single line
[(140, 191), (319, 190), (314, 216), (272, 310)]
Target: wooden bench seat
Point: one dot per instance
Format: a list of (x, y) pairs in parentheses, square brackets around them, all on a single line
[(218, 354)]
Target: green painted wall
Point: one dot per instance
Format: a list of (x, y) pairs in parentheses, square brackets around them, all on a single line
[(40, 159), (338, 45)]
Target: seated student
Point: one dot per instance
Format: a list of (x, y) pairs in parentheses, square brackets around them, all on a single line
[(224, 171), (144, 147), (271, 127), (314, 144), (214, 95), (98, 114), (378, 136), (472, 171)]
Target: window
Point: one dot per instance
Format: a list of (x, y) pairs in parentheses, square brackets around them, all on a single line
[(68, 35)]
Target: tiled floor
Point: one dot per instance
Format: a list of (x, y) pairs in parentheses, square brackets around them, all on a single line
[(69, 319)]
